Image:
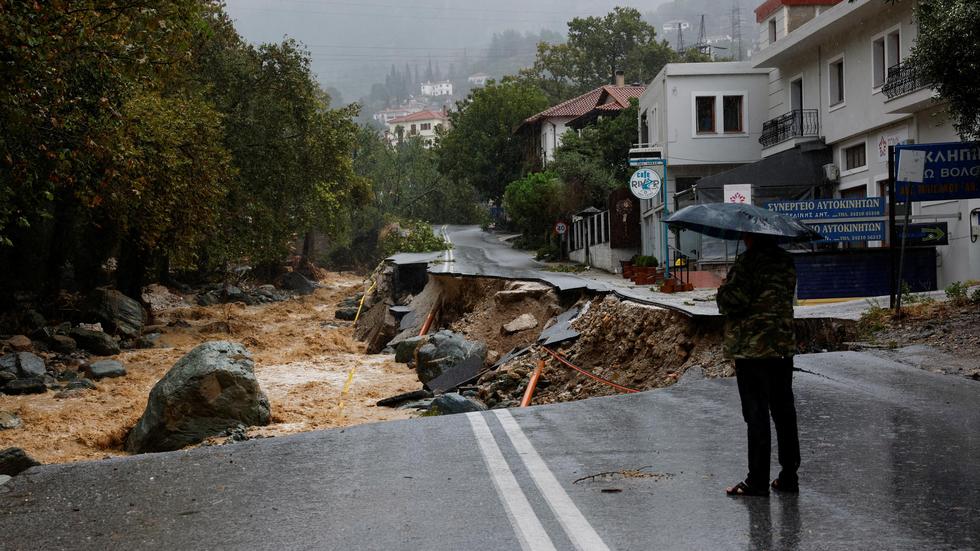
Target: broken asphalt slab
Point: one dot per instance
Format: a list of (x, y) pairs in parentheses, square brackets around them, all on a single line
[(891, 461)]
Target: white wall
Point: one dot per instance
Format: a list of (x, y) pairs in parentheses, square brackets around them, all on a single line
[(552, 130)]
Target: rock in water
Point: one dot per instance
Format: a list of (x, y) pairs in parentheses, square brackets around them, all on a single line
[(105, 368), (521, 323), (96, 342), (295, 281), (347, 314), (9, 420), (452, 402), (14, 461), (31, 385), (120, 313), (20, 343), (23, 365), (208, 391), (405, 350)]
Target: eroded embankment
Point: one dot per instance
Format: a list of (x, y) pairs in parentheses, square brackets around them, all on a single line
[(633, 345)]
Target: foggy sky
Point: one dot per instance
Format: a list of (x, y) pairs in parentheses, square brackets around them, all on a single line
[(354, 43)]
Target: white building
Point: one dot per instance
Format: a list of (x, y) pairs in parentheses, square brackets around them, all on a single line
[(703, 118), (435, 89), (479, 79), (839, 77), (423, 124), (544, 130)]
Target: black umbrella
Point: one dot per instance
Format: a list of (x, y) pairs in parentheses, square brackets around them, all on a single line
[(732, 220)]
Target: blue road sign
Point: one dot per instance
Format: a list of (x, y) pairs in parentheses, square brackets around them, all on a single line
[(952, 171), (830, 209)]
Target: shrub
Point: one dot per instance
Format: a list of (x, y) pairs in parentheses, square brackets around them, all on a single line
[(956, 293), (975, 296), (413, 236)]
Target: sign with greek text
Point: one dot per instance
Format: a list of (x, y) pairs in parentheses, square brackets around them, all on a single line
[(850, 231), (830, 209), (949, 171)]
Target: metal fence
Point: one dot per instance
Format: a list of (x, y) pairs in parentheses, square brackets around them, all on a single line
[(594, 229), (902, 79)]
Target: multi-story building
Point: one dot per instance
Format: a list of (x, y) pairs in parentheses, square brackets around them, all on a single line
[(435, 89), (478, 80), (703, 119), (840, 80), (423, 124)]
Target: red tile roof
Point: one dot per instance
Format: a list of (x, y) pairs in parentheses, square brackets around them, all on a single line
[(609, 98), (769, 6), (420, 116)]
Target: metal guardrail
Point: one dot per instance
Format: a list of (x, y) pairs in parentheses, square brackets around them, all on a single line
[(798, 123), (902, 79)]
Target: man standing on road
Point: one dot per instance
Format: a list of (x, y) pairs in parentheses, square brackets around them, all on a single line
[(757, 302)]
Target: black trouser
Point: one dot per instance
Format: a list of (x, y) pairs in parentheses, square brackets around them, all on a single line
[(766, 385)]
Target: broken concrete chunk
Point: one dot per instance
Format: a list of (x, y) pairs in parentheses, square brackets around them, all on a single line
[(211, 389), (14, 461), (395, 401), (452, 402), (105, 368), (517, 291), (521, 323)]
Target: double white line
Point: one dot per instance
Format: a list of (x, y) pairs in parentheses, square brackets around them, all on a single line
[(530, 531), (447, 259)]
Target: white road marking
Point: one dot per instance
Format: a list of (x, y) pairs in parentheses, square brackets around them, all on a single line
[(583, 536), (448, 255), (530, 532)]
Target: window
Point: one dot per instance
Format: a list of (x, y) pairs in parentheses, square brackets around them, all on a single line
[(772, 30), (878, 61), (413, 131), (705, 114), (426, 126), (837, 82), (644, 129), (732, 111), (885, 53), (855, 157)]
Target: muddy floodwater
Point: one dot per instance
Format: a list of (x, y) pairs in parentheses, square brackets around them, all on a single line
[(303, 359)]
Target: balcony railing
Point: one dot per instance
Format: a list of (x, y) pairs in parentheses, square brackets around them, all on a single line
[(798, 123), (902, 79)]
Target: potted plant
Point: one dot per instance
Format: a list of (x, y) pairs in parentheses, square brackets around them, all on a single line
[(644, 270)]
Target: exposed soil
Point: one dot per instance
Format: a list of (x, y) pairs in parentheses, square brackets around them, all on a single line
[(303, 358), (952, 329)]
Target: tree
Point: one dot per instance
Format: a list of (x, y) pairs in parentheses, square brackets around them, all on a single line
[(481, 148), (534, 202), (596, 48), (946, 55)]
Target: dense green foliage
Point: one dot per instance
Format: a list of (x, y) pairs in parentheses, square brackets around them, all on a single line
[(947, 56), (534, 202), (152, 134), (596, 48), (482, 149), (411, 237)]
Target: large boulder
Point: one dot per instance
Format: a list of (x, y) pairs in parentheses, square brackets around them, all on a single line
[(405, 350), (23, 365), (119, 313), (105, 368), (96, 342), (295, 281), (211, 389), (446, 350), (14, 461)]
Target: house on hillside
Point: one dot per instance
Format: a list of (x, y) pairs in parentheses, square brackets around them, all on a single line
[(841, 91), (421, 124), (702, 118), (478, 80), (436, 89), (544, 130)]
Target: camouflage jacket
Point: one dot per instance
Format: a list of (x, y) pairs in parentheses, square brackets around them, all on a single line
[(757, 302)]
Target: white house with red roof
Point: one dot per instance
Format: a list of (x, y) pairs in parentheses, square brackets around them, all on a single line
[(546, 128), (422, 124)]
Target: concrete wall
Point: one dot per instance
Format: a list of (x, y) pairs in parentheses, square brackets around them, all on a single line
[(552, 130), (603, 257)]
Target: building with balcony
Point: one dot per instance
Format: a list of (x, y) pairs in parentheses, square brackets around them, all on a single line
[(704, 119), (840, 79), (436, 89)]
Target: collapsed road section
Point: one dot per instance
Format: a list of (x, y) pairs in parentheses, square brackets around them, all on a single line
[(478, 338)]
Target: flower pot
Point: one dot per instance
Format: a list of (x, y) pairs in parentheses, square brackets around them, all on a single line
[(627, 268)]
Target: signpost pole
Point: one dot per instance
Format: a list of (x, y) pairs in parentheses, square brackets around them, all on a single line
[(665, 231), (891, 224)]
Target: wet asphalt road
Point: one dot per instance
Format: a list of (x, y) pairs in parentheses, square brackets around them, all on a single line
[(891, 461)]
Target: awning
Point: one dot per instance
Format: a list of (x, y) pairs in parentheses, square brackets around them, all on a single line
[(797, 173)]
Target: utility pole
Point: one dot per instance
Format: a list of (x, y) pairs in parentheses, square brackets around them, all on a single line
[(680, 37), (702, 44)]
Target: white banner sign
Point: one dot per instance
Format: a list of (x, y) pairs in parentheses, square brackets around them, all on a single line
[(738, 193)]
